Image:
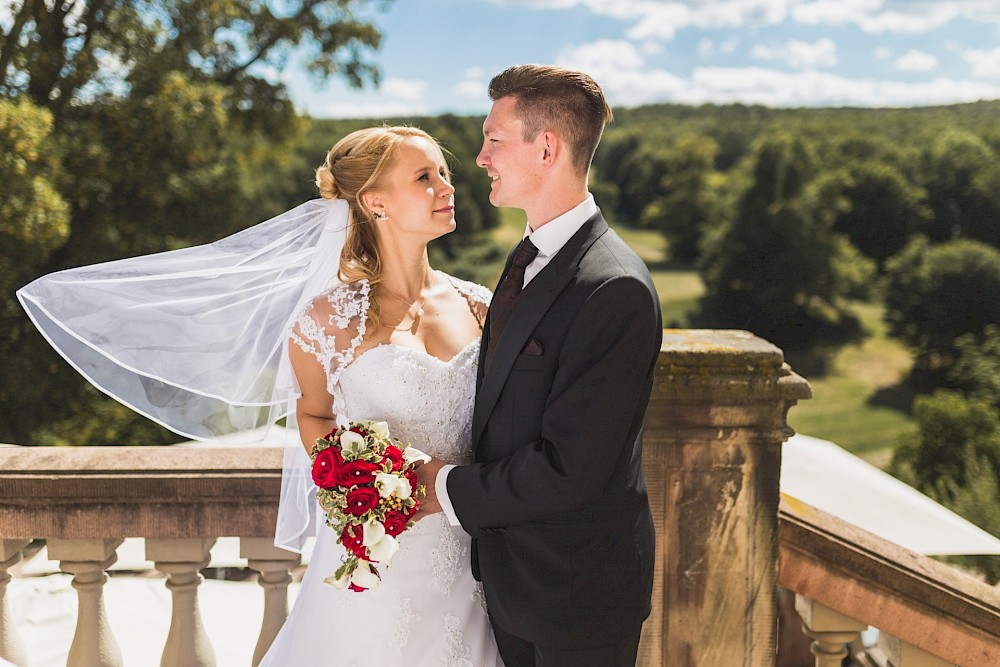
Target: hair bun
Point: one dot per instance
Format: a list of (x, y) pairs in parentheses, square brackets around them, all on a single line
[(326, 183)]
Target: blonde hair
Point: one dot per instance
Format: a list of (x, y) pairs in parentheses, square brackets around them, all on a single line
[(552, 98), (356, 165)]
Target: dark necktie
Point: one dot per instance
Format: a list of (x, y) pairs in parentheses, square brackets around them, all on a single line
[(509, 293)]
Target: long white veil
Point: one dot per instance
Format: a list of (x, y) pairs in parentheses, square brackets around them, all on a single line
[(196, 339)]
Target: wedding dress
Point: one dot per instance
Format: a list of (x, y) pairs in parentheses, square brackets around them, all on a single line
[(428, 609)]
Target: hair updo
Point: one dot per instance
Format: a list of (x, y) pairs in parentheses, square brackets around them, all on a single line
[(356, 165)]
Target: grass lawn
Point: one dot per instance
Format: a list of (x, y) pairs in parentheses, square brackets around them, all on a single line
[(858, 400)]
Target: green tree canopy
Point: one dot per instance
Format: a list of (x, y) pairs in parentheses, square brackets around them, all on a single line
[(936, 293), (773, 264), (162, 118)]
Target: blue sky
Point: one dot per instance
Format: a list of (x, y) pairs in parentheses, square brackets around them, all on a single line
[(438, 55)]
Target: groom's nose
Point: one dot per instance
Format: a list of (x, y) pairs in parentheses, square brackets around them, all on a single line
[(482, 159)]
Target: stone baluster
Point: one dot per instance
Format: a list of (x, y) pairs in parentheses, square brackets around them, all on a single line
[(830, 631), (87, 560), (11, 647), (273, 564), (182, 561), (712, 455)]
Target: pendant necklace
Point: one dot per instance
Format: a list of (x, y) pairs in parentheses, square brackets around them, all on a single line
[(411, 304)]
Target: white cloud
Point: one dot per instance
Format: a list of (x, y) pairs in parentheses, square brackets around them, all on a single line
[(620, 70), (729, 45), (607, 54), (705, 47), (883, 53), (985, 64), (662, 19), (916, 61), (798, 54), (408, 90), (755, 85)]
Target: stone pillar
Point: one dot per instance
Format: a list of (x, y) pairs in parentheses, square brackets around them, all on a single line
[(273, 564), (11, 646), (712, 457), (93, 644), (182, 561), (831, 631)]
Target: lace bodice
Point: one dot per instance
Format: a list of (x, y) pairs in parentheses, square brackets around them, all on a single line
[(426, 401)]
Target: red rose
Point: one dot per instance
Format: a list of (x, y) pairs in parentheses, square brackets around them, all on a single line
[(332, 435), (395, 523), (394, 454), (357, 589), (355, 473), (352, 539), (361, 500), (360, 431), (324, 470)]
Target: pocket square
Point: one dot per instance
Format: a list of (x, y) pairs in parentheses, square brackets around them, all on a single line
[(533, 348)]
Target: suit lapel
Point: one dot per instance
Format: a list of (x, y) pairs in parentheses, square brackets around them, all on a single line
[(535, 302)]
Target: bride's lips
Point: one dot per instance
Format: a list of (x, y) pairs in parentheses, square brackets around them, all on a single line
[(446, 209)]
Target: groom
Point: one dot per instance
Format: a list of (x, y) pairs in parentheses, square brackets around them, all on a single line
[(555, 500)]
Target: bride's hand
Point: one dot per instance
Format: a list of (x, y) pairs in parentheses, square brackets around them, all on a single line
[(427, 477)]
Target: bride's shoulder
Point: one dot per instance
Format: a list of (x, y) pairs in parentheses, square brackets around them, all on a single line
[(470, 290), (340, 303)]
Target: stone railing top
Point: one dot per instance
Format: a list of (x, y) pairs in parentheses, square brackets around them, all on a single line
[(923, 602), (108, 492), (727, 366)]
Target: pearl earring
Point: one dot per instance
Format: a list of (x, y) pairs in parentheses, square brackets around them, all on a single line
[(379, 216)]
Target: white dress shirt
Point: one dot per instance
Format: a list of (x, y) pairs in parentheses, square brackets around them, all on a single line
[(549, 239)]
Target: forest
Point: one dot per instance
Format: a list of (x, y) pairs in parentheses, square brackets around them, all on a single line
[(793, 221)]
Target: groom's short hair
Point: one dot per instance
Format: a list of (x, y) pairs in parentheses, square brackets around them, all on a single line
[(567, 102)]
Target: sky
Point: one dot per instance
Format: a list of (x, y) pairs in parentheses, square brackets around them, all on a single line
[(438, 56)]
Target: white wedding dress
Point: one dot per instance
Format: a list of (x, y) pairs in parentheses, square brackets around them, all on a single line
[(428, 610)]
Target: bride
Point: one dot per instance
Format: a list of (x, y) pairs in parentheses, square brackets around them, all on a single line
[(398, 342), (329, 312)]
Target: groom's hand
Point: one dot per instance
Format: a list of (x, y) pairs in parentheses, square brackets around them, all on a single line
[(427, 477)]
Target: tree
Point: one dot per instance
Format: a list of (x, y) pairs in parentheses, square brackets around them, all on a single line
[(685, 194), (774, 264), (955, 459), (960, 173), (884, 209), (936, 293), (163, 115)]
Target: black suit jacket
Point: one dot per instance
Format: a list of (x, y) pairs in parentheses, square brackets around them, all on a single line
[(556, 501)]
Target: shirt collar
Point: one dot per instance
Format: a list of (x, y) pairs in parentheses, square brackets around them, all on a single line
[(553, 235)]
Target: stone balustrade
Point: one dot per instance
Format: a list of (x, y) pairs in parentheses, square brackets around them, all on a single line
[(713, 438)]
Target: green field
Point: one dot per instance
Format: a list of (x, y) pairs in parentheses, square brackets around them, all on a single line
[(858, 399)]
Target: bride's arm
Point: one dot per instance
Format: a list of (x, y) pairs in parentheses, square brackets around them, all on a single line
[(314, 410)]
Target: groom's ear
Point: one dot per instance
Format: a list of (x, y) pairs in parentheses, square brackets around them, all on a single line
[(550, 147)]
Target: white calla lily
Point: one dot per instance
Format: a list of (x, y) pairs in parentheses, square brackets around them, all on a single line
[(403, 488), (412, 455), (381, 429), (340, 583), (387, 484), (373, 532), (351, 442), (364, 577), (383, 550)]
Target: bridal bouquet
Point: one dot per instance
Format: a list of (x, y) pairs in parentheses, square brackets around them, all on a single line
[(368, 490)]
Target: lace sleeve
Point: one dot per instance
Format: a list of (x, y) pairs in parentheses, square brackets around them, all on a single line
[(331, 327), (472, 291)]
